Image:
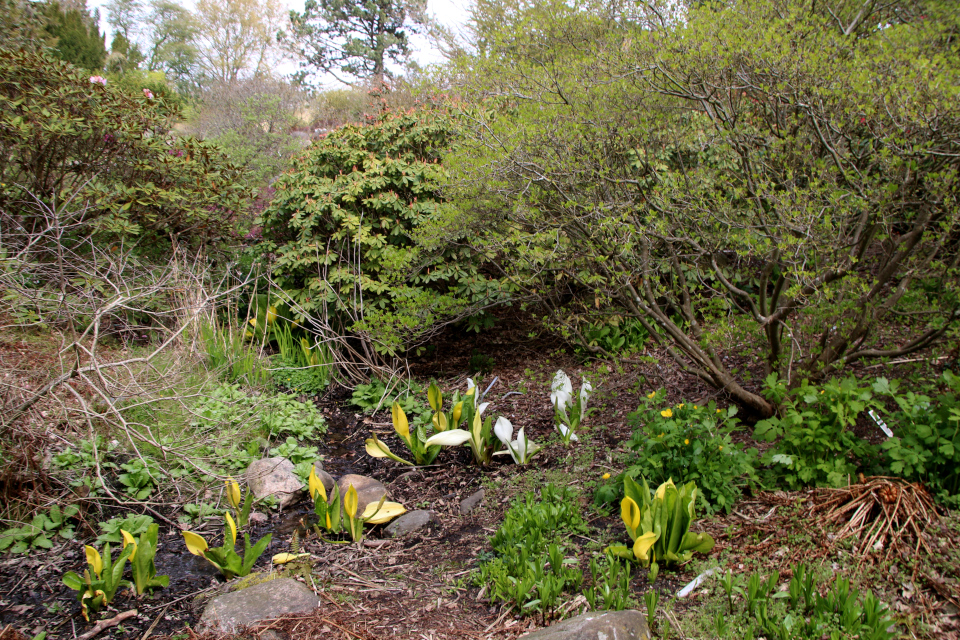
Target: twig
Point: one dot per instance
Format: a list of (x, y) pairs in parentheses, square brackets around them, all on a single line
[(106, 624), (155, 622), (349, 633)]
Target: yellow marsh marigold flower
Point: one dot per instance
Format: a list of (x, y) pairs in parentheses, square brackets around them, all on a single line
[(666, 413), (686, 441), (680, 406), (651, 394), (606, 476)]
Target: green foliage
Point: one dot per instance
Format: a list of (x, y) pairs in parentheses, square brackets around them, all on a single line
[(303, 367), (802, 613), (368, 397), (250, 119), (292, 451), (134, 525), (194, 513), (764, 215), (76, 36), (228, 406), (116, 154), (100, 581), (530, 571), (37, 533), (610, 590), (142, 567), (139, 479), (225, 557), (615, 336), (82, 457), (926, 447), (690, 442), (814, 441), (351, 39), (480, 363), (230, 354), (341, 232), (659, 525)]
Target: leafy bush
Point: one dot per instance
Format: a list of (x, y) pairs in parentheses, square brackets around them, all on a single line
[(376, 394), (341, 231), (230, 407), (37, 533), (926, 445), (815, 445), (531, 539), (690, 443), (134, 525), (615, 336), (64, 134)]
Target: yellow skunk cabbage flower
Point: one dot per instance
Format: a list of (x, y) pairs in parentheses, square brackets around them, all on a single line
[(195, 544), (128, 539), (350, 502), (316, 486), (233, 493), (94, 560), (284, 558), (232, 526), (387, 511), (643, 544), (400, 424), (271, 314)]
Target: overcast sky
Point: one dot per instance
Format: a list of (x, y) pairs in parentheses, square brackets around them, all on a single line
[(452, 13)]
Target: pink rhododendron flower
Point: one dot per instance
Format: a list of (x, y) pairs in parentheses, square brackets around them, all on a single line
[(148, 94), (98, 80)]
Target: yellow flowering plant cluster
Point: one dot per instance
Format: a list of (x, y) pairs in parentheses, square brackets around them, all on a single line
[(689, 440), (659, 526), (104, 576)]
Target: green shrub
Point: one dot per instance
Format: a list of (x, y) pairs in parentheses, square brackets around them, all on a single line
[(815, 445), (926, 447), (62, 134), (688, 443), (341, 231)]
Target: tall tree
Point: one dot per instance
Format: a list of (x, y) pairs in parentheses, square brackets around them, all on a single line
[(355, 39), (237, 37), (172, 47), (77, 36)]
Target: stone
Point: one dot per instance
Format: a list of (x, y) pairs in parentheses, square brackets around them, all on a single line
[(325, 478), (368, 490), (274, 477), (597, 625), (469, 504), (408, 523), (264, 601)]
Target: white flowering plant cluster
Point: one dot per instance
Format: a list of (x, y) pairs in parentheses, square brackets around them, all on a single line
[(569, 410)]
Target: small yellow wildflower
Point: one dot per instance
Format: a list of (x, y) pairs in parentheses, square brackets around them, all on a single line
[(822, 390), (680, 406), (667, 413), (695, 406), (686, 441), (660, 436), (721, 447), (718, 410), (606, 476), (651, 394)]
